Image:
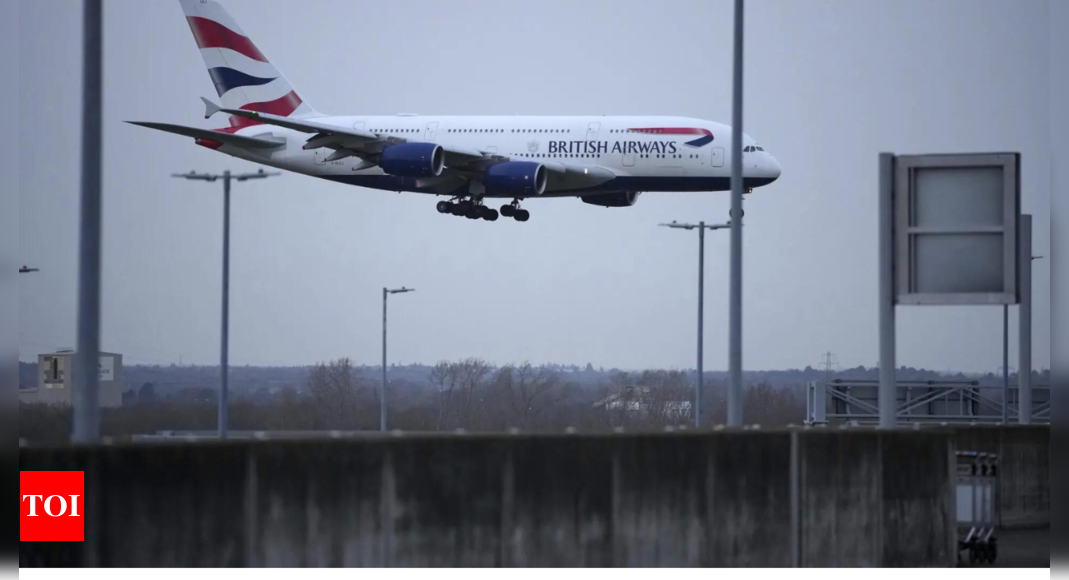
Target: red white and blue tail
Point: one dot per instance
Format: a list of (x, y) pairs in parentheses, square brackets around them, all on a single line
[(243, 77)]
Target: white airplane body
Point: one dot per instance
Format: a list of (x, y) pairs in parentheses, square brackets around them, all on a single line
[(604, 160)]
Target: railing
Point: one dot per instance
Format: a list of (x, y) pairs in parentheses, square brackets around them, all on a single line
[(921, 401)]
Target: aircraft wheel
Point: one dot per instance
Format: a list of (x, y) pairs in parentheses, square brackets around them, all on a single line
[(444, 207), (507, 210), (522, 215), (490, 215)]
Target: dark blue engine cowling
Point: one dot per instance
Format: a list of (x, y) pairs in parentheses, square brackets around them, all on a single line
[(413, 160), (516, 178)]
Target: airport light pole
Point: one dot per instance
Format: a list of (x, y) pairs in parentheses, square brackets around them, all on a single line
[(701, 227), (1006, 364), (87, 357), (1024, 313), (735, 314), (382, 398), (224, 349)]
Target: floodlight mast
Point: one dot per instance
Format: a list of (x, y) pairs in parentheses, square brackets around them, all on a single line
[(86, 400), (224, 348), (382, 396), (734, 414), (701, 227)]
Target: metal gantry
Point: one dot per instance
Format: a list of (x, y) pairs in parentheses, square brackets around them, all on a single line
[(701, 227), (924, 401), (382, 398), (224, 348)]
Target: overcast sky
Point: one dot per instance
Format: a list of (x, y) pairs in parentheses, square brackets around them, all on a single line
[(829, 84)]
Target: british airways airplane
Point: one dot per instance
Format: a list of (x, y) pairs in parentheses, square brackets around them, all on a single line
[(605, 161)]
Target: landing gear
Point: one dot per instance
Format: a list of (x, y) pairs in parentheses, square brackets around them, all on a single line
[(471, 209), (513, 211)]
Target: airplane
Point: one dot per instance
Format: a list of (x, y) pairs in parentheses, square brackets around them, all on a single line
[(603, 160)]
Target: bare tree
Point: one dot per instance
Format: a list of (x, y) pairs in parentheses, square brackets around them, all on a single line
[(668, 397), (764, 404), (444, 378), (649, 399), (527, 391), (341, 396), (459, 388), (471, 374)]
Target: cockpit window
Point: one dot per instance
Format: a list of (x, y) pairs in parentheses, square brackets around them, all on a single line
[(760, 148)]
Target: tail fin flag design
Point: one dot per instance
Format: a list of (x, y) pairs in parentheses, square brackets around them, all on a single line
[(242, 75)]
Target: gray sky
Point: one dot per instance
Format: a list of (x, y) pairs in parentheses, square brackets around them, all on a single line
[(829, 84)]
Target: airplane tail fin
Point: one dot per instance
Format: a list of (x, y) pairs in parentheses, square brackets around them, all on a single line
[(243, 77)]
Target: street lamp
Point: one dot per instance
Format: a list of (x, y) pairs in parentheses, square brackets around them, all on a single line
[(701, 227), (382, 399), (27, 270), (224, 362)]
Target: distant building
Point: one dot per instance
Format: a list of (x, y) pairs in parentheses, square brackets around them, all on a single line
[(642, 402), (55, 382)]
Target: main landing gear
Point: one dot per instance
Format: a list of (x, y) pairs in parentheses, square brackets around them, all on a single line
[(513, 211), (474, 209)]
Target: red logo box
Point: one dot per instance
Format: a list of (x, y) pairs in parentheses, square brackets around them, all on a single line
[(52, 506)]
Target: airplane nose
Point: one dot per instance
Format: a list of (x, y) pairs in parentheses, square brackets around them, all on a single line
[(770, 168), (775, 168)]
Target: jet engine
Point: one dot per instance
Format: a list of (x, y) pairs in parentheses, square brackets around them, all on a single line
[(413, 160), (515, 178)]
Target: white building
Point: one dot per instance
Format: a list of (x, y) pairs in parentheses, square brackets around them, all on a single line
[(55, 382), (642, 402)]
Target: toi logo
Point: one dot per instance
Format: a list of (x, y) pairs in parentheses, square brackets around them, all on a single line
[(52, 506)]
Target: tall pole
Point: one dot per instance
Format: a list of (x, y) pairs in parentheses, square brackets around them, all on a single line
[(382, 398), (1005, 364), (888, 385), (701, 326), (699, 388), (224, 334), (224, 348), (1024, 365), (87, 359), (735, 322)]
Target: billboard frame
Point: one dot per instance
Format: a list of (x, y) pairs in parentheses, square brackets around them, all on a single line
[(906, 232)]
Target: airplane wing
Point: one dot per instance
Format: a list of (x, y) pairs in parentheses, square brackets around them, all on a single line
[(462, 163), (265, 142)]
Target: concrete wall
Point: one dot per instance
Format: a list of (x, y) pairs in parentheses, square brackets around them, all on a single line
[(1024, 476), (768, 499)]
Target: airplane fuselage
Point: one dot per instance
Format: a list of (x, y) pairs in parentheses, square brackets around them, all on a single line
[(645, 153)]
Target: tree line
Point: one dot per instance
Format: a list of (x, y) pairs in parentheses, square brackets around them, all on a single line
[(470, 395)]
